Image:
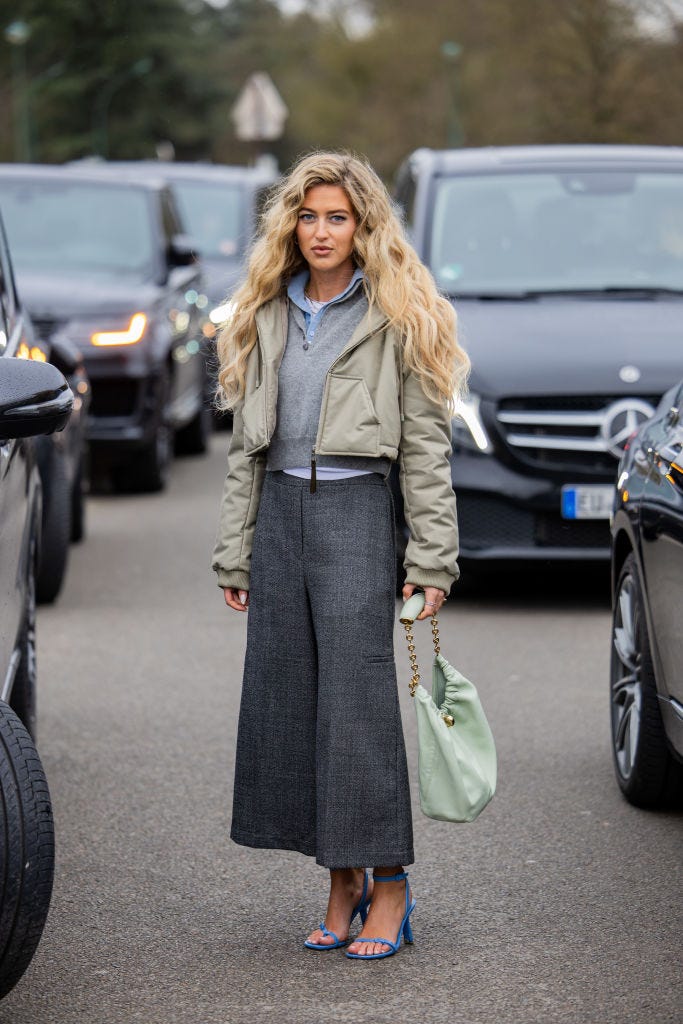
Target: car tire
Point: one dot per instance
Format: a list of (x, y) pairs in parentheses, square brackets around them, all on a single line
[(647, 773), (27, 849), (78, 504), (23, 697), (148, 470), (56, 531), (193, 439)]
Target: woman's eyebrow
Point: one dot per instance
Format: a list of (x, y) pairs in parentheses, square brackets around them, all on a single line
[(307, 209)]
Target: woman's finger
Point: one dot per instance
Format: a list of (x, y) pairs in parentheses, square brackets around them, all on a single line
[(434, 599), (237, 599)]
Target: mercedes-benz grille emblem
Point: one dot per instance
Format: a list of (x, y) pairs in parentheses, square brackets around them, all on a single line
[(621, 419)]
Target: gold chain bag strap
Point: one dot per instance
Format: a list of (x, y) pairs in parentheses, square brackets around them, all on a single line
[(457, 755)]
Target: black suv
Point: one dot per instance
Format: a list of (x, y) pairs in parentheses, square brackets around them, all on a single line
[(565, 264), (220, 206), (106, 263)]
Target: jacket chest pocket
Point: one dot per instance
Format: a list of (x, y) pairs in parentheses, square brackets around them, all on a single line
[(349, 421)]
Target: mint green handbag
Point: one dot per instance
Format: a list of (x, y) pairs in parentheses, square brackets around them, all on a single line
[(456, 750)]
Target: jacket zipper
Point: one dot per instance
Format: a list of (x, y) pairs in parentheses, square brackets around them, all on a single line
[(313, 485)]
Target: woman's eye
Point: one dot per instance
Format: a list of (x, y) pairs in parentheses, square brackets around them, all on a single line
[(307, 217), (338, 218)]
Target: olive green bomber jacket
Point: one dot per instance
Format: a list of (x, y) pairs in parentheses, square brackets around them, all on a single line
[(372, 407)]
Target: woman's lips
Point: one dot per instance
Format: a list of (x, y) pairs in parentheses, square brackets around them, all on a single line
[(320, 250)]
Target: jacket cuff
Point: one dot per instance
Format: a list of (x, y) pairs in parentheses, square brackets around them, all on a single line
[(235, 578), (430, 578)]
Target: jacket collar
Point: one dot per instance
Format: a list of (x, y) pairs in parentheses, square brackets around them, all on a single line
[(272, 322)]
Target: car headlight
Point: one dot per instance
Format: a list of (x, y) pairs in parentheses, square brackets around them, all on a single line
[(130, 335), (468, 428)]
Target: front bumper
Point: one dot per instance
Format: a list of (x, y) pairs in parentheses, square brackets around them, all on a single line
[(505, 515), (125, 408)]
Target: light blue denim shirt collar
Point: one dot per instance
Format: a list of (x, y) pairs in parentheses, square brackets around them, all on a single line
[(295, 289)]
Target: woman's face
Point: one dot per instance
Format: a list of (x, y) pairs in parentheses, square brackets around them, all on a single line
[(325, 228)]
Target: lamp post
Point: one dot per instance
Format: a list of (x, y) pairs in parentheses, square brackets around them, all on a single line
[(100, 126), (17, 34), (451, 52)]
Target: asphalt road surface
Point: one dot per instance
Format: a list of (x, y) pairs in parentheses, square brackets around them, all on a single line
[(560, 904)]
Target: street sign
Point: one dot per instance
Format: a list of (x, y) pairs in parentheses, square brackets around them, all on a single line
[(259, 112)]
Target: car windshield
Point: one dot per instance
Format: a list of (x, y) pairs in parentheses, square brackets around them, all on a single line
[(79, 229), (213, 216), (577, 230)]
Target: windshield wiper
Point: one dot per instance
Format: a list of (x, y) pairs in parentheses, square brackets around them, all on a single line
[(634, 291), (520, 296)]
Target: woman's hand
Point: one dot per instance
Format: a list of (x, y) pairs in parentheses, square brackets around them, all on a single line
[(237, 599), (434, 598)]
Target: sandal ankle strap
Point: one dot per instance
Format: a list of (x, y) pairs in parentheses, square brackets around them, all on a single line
[(390, 878)]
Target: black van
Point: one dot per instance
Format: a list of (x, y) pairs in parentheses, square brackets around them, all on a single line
[(565, 265)]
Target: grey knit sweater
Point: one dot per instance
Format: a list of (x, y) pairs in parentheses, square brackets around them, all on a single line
[(309, 353)]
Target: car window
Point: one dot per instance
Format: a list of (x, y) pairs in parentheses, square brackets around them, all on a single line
[(214, 216), (75, 228), (405, 193), (597, 229), (6, 295)]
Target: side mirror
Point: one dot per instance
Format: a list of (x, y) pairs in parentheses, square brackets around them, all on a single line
[(182, 251), (34, 398)]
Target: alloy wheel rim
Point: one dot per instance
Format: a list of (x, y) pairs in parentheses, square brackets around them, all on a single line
[(626, 679)]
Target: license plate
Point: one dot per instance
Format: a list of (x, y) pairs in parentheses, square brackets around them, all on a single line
[(587, 501)]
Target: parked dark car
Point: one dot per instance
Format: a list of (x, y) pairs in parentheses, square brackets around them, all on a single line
[(34, 399), (565, 264), (221, 206), (647, 585), (106, 264)]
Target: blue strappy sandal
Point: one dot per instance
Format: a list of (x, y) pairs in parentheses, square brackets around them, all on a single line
[(405, 931), (360, 908)]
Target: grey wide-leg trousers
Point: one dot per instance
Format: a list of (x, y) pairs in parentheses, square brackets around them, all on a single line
[(321, 764)]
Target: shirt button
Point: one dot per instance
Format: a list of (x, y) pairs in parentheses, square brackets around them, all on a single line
[(306, 346)]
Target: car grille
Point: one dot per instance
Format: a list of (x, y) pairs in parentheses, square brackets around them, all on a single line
[(114, 397), (45, 327), (571, 433), (486, 521)]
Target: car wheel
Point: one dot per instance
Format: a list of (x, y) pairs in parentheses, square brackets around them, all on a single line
[(27, 849), (78, 504), (23, 696), (193, 439), (646, 770), (56, 531)]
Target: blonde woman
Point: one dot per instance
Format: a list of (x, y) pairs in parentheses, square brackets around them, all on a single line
[(340, 358)]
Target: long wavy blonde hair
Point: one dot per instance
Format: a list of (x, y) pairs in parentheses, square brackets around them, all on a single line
[(395, 279)]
